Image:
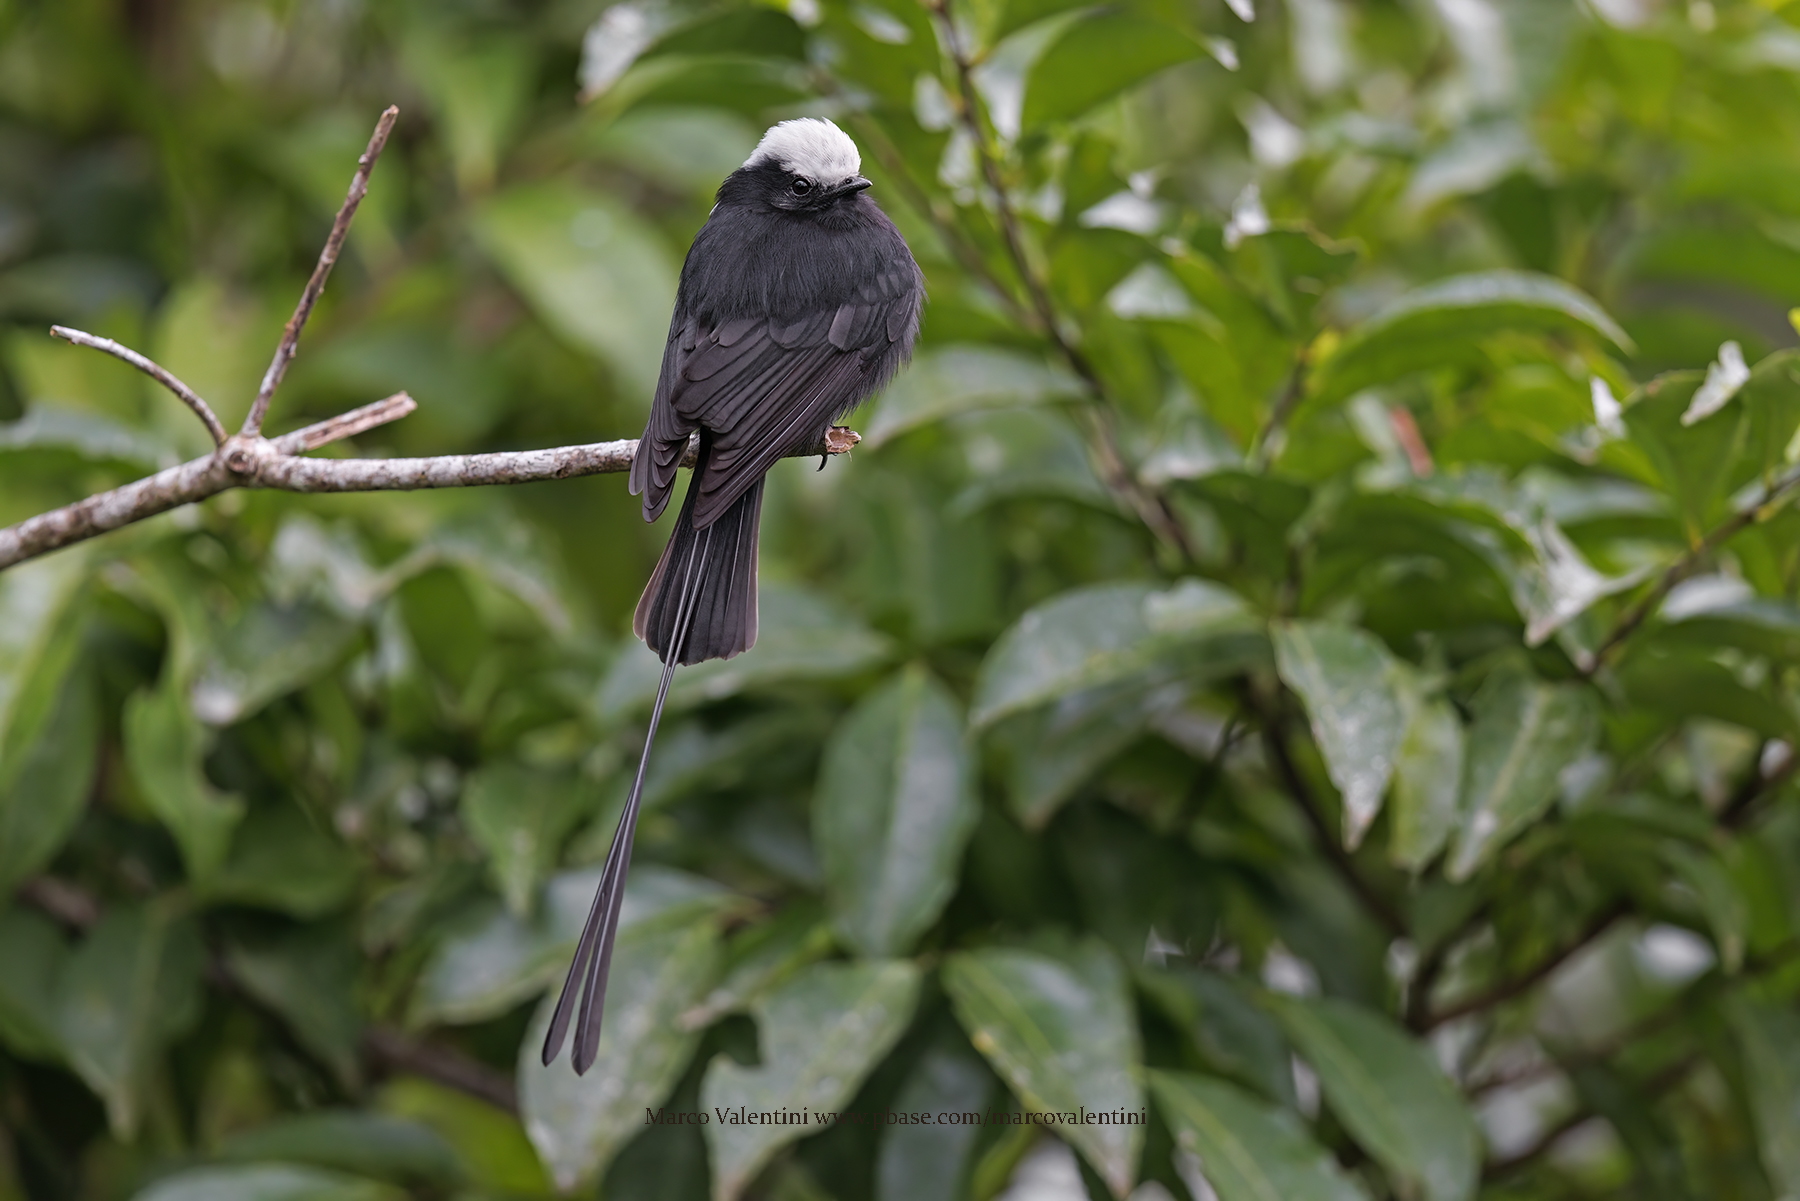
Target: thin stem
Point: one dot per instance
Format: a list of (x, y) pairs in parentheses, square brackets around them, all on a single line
[(1684, 566), (154, 370), (1301, 792), (1149, 506), (1507, 990), (334, 243)]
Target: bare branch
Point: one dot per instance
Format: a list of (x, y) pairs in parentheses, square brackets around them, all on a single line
[(1764, 507), (345, 425), (154, 370), (290, 337), (395, 1051), (264, 463)]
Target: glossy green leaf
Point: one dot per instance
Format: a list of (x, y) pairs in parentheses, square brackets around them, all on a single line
[(578, 1123), (49, 716), (1233, 1033), (1698, 465), (800, 637), (932, 1158), (1435, 324), (520, 817), (963, 379), (1347, 679), (280, 859), (34, 953), (1768, 1038), (308, 978), (1105, 632), (1060, 1030), (820, 1035), (354, 1141), (489, 959), (130, 986), (269, 652), (590, 266), (491, 1148), (1248, 1150), (1096, 58), (1524, 734), (893, 808), (267, 1182), (165, 747), (1389, 1093), (760, 957), (1051, 751), (1428, 771)]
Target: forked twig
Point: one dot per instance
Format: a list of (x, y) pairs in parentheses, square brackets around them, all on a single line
[(155, 371), (290, 336)]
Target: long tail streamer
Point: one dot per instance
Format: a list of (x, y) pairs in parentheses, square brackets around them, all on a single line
[(593, 954)]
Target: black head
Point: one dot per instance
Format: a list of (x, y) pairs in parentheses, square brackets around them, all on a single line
[(801, 167)]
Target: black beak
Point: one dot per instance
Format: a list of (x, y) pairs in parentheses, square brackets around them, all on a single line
[(850, 187)]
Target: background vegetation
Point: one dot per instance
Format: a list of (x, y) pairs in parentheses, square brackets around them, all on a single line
[(1254, 669)]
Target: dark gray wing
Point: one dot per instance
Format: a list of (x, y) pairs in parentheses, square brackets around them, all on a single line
[(766, 388)]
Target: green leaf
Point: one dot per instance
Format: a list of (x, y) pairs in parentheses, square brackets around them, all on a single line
[(1096, 58), (164, 748), (34, 954), (1389, 1093), (932, 1159), (1769, 1041), (266, 1182), (801, 637), (49, 715), (1248, 1150), (491, 959), (520, 817), (964, 379), (280, 859), (760, 957), (578, 1123), (1439, 323), (1061, 1031), (893, 808), (1427, 778), (821, 1033), (1525, 733), (1135, 885), (308, 977), (1697, 465), (496, 1157), (1234, 1035), (1346, 678), (1051, 751), (269, 652), (131, 986), (1105, 632), (354, 1141), (592, 269)]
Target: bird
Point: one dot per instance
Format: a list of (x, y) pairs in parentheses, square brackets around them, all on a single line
[(798, 300)]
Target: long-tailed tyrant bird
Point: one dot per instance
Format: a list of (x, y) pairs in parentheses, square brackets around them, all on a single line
[(798, 300)]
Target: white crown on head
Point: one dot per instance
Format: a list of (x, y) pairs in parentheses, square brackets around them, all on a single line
[(809, 146)]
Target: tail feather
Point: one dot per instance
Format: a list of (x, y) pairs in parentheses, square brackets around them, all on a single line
[(724, 558), (700, 604)]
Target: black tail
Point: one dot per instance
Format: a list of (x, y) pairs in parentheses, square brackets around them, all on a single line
[(700, 604)]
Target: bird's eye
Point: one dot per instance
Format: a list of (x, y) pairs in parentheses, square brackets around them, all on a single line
[(802, 187)]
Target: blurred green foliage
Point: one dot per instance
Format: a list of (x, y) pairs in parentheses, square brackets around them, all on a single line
[(1307, 654)]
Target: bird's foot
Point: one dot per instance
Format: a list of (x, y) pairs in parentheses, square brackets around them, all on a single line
[(839, 440)]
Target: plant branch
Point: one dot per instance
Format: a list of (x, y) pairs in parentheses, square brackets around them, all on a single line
[(1507, 990), (395, 1051), (1275, 746), (1628, 623), (160, 374), (334, 242), (1151, 508), (259, 462)]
